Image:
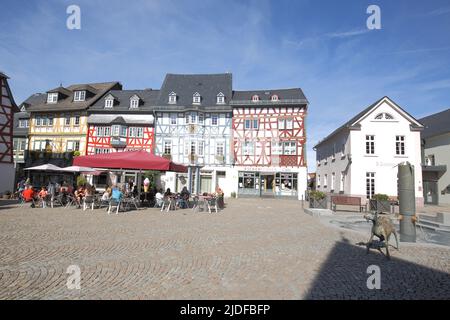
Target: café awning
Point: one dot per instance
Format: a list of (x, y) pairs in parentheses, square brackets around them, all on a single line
[(131, 160)]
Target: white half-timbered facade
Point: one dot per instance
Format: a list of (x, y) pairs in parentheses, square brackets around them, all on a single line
[(269, 142), (193, 127), (7, 109)]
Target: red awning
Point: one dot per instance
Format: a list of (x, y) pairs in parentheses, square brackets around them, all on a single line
[(132, 160)]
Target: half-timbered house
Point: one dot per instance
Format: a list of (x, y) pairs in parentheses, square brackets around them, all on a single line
[(7, 109), (269, 142), (58, 122), (193, 127)]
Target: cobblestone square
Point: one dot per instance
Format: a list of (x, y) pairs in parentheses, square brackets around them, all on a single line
[(254, 249)]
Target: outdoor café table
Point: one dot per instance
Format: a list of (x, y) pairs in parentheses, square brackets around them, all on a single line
[(129, 202)]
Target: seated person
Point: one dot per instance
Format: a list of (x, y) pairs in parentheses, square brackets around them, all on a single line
[(79, 194), (184, 198), (116, 194), (42, 195), (159, 197), (28, 194), (168, 193), (107, 194)]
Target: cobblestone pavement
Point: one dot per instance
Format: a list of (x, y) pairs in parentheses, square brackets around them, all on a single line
[(254, 249)]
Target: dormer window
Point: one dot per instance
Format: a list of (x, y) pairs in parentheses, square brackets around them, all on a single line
[(79, 96), (220, 98), (109, 103), (196, 98), (134, 102), (172, 97), (274, 98), (52, 97), (255, 98)]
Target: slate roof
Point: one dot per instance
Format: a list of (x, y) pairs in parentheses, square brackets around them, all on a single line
[(348, 124), (148, 98), (436, 124), (186, 85), (67, 104), (245, 97)]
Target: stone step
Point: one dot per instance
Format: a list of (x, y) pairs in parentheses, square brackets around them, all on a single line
[(433, 226)]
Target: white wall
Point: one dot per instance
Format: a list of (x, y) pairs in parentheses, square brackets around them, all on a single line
[(384, 162)]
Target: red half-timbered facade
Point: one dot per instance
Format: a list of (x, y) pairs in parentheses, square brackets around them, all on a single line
[(7, 109), (269, 142), (136, 138), (122, 121), (269, 136)]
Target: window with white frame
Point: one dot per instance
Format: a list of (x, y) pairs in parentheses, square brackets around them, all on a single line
[(249, 148), (201, 118), (123, 131), (79, 96), (52, 97), (139, 132), (193, 147), (196, 98), (173, 118), (132, 132), (109, 103), (107, 131), (100, 131), (193, 117), (168, 147), (201, 148), (289, 148), (73, 145), (318, 181), (115, 130), (23, 123), (77, 121), (333, 181), (325, 180), (277, 148), (370, 184), (172, 97), (220, 98), (50, 121), (342, 181), (400, 145), (251, 124), (274, 98), (214, 119), (220, 148), (38, 121), (285, 124), (67, 120), (370, 144), (134, 103), (255, 98)]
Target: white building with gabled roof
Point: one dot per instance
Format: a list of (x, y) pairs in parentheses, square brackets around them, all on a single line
[(360, 158)]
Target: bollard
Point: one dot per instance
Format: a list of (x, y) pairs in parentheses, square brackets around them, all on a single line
[(407, 202)]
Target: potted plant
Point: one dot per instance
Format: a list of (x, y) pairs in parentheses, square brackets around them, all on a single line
[(318, 200), (380, 203), (81, 180)]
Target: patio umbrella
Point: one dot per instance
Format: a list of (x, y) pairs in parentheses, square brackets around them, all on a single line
[(45, 167), (79, 169)]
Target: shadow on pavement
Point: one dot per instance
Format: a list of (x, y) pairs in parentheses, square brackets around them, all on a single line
[(344, 276)]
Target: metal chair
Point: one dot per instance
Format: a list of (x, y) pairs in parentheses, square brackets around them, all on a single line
[(114, 204), (88, 201), (212, 203)]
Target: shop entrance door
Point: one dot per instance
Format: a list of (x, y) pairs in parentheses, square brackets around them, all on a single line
[(267, 185), (430, 192)]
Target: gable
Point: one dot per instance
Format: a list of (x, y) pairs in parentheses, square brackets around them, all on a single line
[(386, 108)]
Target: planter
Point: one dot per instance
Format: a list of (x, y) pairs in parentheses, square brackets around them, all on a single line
[(380, 205), (318, 203)]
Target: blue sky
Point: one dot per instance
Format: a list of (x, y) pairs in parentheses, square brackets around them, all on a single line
[(324, 47)]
